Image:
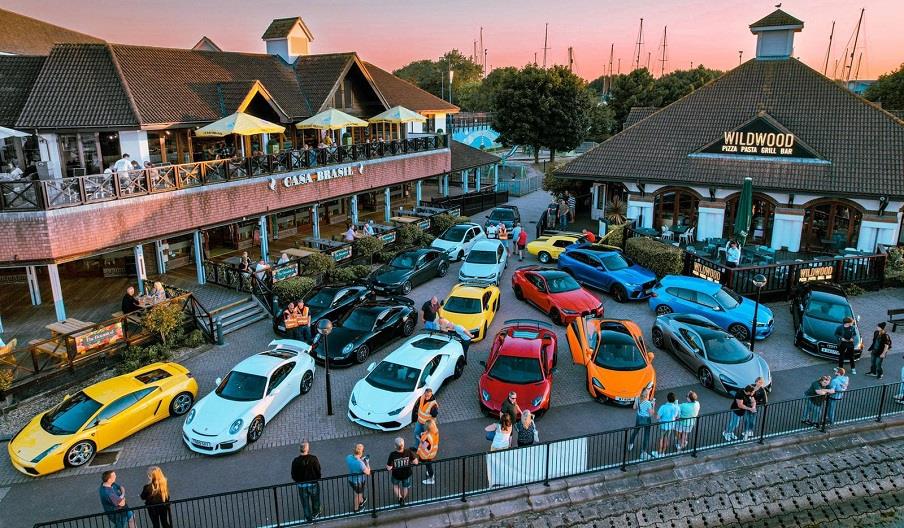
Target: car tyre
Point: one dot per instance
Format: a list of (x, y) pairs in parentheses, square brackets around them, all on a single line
[(406, 287), (658, 338), (307, 381), (255, 429), (741, 332), (706, 377), (361, 354), (459, 368), (619, 294), (442, 269), (408, 327), (663, 309), (556, 317), (518, 293), (181, 404), (80, 454), (544, 257), (461, 255), (484, 334)]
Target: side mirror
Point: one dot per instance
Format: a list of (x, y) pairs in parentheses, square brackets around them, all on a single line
[(858, 318), (371, 367), (218, 381), (100, 421), (553, 370)]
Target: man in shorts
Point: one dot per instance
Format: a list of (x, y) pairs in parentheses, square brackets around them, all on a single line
[(399, 466)]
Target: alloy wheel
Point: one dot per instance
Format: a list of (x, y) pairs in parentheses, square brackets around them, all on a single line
[(361, 354), (406, 288), (706, 378), (307, 381), (256, 429), (408, 327), (658, 338), (80, 454), (544, 257), (741, 332), (181, 404), (663, 309)]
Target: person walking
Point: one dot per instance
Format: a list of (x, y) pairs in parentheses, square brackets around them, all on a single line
[(358, 465), (563, 214), (522, 242), (491, 230), (516, 233), (306, 475), (742, 402), (838, 385), (155, 495), (667, 414), (399, 466), (572, 204), (816, 394), (526, 429), (510, 407), (878, 350), (427, 409), (645, 413), (500, 434), (845, 335), (429, 309), (687, 419), (761, 398), (113, 500), (428, 448)]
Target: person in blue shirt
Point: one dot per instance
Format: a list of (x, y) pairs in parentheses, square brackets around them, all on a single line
[(645, 412), (667, 414), (113, 499), (732, 254), (839, 385), (358, 465)]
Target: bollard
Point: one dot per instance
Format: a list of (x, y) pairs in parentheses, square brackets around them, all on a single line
[(218, 329)]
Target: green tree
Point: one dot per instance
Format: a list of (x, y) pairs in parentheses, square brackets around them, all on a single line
[(888, 90), (632, 89), (669, 88), (433, 76), (478, 97), (602, 123), (568, 108)]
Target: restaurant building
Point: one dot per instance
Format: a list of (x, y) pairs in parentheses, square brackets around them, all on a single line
[(827, 166), (88, 103)]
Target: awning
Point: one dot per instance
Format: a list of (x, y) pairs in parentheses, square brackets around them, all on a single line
[(331, 119), (241, 124), (10, 133), (398, 114)]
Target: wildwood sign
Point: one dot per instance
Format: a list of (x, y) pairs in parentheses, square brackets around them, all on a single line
[(760, 137), (820, 273), (705, 272)]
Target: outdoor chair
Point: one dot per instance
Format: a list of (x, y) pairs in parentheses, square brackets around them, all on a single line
[(687, 237), (666, 234)]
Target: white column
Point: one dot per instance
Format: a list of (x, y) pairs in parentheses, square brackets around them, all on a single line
[(34, 289), (140, 271), (873, 233), (418, 193), (477, 180), (786, 230), (387, 207), (198, 240), (710, 222), (264, 234), (445, 184), (57, 291), (354, 208), (49, 148), (440, 123), (161, 257), (641, 210), (496, 178), (135, 144), (315, 227)]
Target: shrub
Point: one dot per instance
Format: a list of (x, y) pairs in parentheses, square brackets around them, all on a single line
[(195, 338), (853, 290), (444, 221), (348, 274), (659, 258), (367, 247), (615, 236), (424, 239), (166, 320), (291, 290), (135, 357), (409, 234), (6, 380), (318, 264)]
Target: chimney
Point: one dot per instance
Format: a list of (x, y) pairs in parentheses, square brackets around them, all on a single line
[(775, 35), (289, 38)]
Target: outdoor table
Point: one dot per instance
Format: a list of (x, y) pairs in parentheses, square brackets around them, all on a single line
[(235, 262), (679, 230), (405, 219), (68, 326), (298, 252), (646, 231)]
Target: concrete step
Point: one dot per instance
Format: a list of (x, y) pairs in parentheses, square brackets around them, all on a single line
[(244, 322), (241, 315)]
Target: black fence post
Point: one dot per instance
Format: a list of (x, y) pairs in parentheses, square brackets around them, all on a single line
[(276, 506), (624, 458), (696, 435), (373, 496), (825, 414), (464, 480), (546, 478), (763, 423), (881, 403)]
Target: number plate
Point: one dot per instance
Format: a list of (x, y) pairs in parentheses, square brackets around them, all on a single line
[(829, 348), (624, 400), (200, 443)]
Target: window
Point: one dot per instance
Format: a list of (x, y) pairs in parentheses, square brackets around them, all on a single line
[(430, 343), (152, 376), (582, 258), (429, 370), (69, 416), (676, 207), (117, 406), (683, 293), (462, 305), (831, 225), (537, 281), (470, 234), (486, 300), (429, 257), (562, 243), (708, 301), (279, 375)]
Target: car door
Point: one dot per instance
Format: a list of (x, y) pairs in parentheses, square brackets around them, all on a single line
[(501, 260), (683, 300), (590, 269), (468, 241), (798, 307), (422, 269), (576, 334), (279, 393), (433, 376), (559, 246), (385, 327), (707, 306), (117, 420), (683, 345), (536, 292)]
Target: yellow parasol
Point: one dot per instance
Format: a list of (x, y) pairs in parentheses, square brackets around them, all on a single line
[(332, 119), (398, 114), (241, 124)]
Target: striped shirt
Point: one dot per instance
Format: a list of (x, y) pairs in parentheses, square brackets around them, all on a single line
[(572, 202)]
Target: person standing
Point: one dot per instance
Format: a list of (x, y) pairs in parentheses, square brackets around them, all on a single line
[(303, 318), (845, 334), (572, 204), (500, 434), (516, 233), (742, 403), (838, 385), (491, 231), (245, 262), (522, 242), (879, 349), (358, 465), (350, 233), (155, 495), (510, 407), (429, 309), (563, 214), (427, 409), (732, 254), (667, 414), (526, 429), (399, 467), (306, 475), (645, 413), (427, 449), (113, 500), (123, 164), (687, 419), (816, 394), (761, 398)]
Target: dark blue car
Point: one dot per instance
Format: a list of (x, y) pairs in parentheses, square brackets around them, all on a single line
[(609, 271)]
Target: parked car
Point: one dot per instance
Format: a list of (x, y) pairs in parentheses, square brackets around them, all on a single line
[(610, 271), (690, 295), (408, 269), (248, 398), (329, 302), (100, 415), (817, 309), (555, 293), (717, 358), (548, 247), (365, 329), (522, 359), (504, 214), (386, 399), (458, 240), (485, 263), (619, 366), (473, 306)]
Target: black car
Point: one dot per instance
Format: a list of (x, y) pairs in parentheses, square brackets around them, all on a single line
[(366, 328), (408, 269), (504, 214), (817, 310), (328, 302)]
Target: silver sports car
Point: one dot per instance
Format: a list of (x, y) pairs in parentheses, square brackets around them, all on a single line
[(719, 360)]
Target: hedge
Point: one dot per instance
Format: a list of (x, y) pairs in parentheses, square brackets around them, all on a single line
[(615, 236), (661, 259), (349, 274), (291, 290), (444, 221)]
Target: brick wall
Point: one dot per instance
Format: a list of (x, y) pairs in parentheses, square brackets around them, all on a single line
[(67, 233)]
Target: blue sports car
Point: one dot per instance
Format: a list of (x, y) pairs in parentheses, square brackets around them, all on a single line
[(690, 295), (609, 271)]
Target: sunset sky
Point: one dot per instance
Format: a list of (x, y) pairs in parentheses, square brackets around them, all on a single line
[(392, 33)]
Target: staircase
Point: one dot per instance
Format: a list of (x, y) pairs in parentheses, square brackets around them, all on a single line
[(240, 314)]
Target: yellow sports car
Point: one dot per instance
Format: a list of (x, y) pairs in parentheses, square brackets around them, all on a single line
[(473, 306), (70, 434), (548, 247)]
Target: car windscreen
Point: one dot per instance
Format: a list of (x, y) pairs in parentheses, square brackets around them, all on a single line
[(561, 282), (615, 262), (322, 299), (403, 261), (618, 351), (361, 319), (481, 257), (502, 214), (454, 233), (393, 377), (518, 370), (241, 386), (69, 416), (462, 305), (828, 311), (727, 298), (723, 348)]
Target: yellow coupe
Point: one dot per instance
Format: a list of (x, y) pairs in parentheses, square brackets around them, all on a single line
[(473, 306), (548, 247), (70, 434)]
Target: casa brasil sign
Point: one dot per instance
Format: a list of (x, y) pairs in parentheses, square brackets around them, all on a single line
[(294, 180)]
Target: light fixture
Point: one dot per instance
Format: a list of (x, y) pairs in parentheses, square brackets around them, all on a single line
[(712, 193), (883, 203)]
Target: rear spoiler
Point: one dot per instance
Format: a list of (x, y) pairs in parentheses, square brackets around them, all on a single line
[(528, 322)]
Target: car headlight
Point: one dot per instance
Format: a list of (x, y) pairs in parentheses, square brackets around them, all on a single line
[(727, 381), (569, 312), (347, 349), (190, 417), (537, 400), (44, 453), (808, 339), (395, 412), (598, 384), (485, 395), (353, 400), (236, 426)]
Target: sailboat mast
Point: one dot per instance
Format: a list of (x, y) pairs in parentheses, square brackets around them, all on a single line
[(829, 50), (854, 50)]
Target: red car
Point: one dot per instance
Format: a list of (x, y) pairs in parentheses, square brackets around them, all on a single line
[(555, 293), (522, 359)]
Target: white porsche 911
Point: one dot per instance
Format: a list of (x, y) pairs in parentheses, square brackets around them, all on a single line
[(251, 395), (387, 398)]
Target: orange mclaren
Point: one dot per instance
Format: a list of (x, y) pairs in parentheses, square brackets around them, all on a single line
[(618, 364)]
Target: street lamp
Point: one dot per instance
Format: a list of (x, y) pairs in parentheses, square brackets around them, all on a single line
[(324, 327), (759, 280)]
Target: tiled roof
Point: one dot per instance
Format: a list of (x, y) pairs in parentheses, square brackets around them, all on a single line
[(205, 44), (17, 77), (864, 144), (637, 113), (281, 27), (318, 74), (23, 35), (78, 87), (776, 18), (467, 157), (399, 92)]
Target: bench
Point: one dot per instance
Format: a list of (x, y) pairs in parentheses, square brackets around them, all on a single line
[(895, 317)]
